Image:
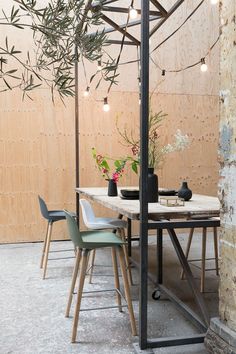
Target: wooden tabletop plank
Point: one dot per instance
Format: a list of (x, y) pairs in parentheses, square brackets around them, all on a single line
[(198, 205)]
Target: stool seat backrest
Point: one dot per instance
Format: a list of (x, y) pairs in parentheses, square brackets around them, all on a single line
[(43, 208), (87, 212), (74, 232)]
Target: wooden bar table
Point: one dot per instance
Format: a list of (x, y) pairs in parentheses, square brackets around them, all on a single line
[(205, 210)]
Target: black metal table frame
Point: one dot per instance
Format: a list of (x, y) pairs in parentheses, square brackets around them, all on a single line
[(201, 324)]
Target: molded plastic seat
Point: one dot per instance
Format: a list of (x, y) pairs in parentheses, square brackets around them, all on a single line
[(51, 216), (100, 223), (85, 241)]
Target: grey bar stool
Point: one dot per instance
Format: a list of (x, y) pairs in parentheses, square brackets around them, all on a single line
[(51, 216)]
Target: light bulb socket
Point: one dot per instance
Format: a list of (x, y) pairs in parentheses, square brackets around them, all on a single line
[(203, 61), (86, 92), (163, 72), (99, 65), (106, 106)]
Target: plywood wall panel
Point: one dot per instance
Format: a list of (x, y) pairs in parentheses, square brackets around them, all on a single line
[(37, 154)]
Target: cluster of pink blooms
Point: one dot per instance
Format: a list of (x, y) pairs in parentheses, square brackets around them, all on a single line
[(101, 161), (116, 175)]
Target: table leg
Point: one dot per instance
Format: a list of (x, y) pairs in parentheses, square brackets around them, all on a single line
[(129, 233), (189, 276), (159, 256)]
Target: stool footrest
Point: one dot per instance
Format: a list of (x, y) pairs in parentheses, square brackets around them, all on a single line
[(103, 308)]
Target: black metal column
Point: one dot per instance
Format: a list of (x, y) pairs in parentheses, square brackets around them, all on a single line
[(77, 132), (143, 173)]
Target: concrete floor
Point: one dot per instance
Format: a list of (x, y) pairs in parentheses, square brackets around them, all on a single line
[(32, 310)]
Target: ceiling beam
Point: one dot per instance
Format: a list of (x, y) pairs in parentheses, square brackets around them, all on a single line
[(126, 10), (169, 13), (114, 41), (130, 24), (109, 2), (159, 7), (120, 29)]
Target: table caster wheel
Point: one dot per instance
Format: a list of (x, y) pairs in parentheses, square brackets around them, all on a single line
[(156, 294)]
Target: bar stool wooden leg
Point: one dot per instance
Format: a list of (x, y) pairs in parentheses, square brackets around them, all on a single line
[(122, 234), (47, 249), (116, 276), (127, 290), (44, 246), (93, 253), (74, 277), (216, 249), (190, 237), (79, 294), (203, 267)]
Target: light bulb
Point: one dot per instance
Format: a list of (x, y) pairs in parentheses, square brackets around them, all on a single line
[(133, 13), (139, 100), (203, 65), (214, 2), (106, 106), (99, 67), (86, 92)]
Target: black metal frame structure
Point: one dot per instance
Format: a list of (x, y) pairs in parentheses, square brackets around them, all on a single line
[(160, 14)]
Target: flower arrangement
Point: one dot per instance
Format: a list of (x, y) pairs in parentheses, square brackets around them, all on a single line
[(156, 152), (104, 167)]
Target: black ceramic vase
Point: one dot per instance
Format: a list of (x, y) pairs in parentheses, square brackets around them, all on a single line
[(112, 188), (184, 192), (152, 186)]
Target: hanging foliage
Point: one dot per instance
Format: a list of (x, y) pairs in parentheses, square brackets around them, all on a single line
[(57, 29)]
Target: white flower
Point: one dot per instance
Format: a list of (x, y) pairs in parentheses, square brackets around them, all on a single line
[(181, 142)]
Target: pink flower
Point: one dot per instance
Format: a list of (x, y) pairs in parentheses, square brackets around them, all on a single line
[(115, 177)]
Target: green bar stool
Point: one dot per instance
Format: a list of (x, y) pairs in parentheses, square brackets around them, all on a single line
[(84, 242)]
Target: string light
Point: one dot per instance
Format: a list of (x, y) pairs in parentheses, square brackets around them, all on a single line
[(214, 2), (86, 92), (203, 65), (99, 67), (133, 13), (106, 106)]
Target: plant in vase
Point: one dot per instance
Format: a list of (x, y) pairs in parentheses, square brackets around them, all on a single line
[(156, 151), (112, 176)]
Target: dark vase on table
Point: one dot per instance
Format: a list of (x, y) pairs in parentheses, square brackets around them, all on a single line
[(152, 194), (112, 188), (184, 192)]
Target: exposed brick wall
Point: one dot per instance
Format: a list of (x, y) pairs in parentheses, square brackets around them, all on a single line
[(227, 155)]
